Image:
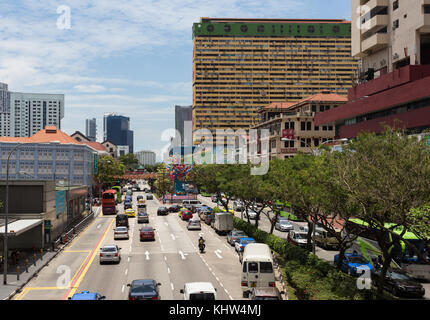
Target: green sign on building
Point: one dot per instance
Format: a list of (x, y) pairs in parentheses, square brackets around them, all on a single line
[(96, 163)]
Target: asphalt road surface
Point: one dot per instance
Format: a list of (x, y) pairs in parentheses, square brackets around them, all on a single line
[(172, 259)]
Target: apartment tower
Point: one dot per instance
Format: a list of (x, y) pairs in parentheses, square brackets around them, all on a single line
[(241, 65)]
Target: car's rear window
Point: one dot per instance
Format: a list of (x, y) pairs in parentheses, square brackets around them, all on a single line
[(266, 267), (202, 296), (121, 229), (108, 249), (143, 289), (147, 229), (252, 267)]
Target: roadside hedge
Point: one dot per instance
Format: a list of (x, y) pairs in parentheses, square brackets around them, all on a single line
[(311, 277)]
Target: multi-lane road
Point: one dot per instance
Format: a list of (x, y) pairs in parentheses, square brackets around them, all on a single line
[(172, 259)]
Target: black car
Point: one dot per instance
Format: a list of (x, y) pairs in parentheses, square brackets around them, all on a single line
[(399, 283), (175, 208), (139, 197), (149, 197), (127, 205), (121, 220), (162, 211), (147, 289)]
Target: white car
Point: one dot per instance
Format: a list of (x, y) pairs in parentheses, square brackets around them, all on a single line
[(284, 225), (120, 233), (110, 253), (252, 214), (194, 224), (199, 291)]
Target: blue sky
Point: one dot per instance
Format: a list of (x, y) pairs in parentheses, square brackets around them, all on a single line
[(131, 57)]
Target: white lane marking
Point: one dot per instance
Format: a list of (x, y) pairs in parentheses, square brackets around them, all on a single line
[(165, 259), (217, 279), (147, 255), (123, 287), (166, 223), (128, 259), (171, 284), (218, 253), (126, 271), (182, 255), (201, 234), (168, 270), (98, 227), (173, 236)]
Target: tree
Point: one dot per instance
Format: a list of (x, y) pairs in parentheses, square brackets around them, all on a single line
[(108, 171), (129, 160), (163, 183), (386, 175), (419, 224)]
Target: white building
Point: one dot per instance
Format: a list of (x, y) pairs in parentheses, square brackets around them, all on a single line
[(32, 112), (50, 154), (4, 110), (122, 150), (146, 158)]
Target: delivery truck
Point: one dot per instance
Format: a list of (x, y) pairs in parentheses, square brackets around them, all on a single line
[(223, 222)]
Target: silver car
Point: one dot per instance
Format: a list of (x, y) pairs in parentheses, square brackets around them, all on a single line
[(142, 217), (284, 225), (110, 253), (120, 233), (194, 224)]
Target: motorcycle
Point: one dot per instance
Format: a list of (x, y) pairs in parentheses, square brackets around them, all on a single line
[(202, 247)]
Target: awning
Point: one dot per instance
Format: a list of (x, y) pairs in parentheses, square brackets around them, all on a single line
[(20, 226)]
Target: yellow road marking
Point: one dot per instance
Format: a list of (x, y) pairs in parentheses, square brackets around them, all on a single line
[(84, 272), (77, 251)]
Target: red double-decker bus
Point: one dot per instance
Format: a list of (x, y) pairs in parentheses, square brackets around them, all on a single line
[(108, 202)]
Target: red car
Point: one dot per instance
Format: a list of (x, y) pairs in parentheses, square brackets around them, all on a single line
[(147, 233), (186, 215)]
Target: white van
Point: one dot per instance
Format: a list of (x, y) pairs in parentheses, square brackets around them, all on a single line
[(257, 268), (191, 204), (199, 291)]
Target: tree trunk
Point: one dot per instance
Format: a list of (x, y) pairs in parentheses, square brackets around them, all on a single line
[(342, 249), (309, 238), (273, 221)]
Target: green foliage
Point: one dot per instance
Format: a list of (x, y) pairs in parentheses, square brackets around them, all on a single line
[(311, 277), (130, 161), (109, 170)]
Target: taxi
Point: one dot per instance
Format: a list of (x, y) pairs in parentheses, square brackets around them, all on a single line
[(181, 211), (230, 209), (130, 212)]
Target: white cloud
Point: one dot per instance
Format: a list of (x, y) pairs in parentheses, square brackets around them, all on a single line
[(89, 88)]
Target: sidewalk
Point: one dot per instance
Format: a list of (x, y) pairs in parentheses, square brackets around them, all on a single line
[(13, 284)]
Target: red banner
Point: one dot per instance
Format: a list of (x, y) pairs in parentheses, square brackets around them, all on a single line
[(288, 134)]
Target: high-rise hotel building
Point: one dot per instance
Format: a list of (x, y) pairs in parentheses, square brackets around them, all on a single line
[(240, 65)]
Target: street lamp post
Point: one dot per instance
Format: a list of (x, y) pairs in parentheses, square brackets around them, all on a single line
[(6, 214), (314, 153)]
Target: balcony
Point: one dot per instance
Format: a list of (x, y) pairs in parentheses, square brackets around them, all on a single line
[(376, 23), (372, 4), (376, 42)]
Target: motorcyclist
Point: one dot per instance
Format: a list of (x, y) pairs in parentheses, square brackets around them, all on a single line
[(202, 242)]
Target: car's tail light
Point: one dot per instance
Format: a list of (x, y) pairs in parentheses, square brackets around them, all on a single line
[(244, 283), (101, 254), (116, 254), (132, 298), (271, 284), (154, 298)]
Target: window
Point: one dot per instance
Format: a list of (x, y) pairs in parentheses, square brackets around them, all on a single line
[(321, 108), (330, 128), (395, 4), (289, 144), (396, 24), (314, 108), (317, 128), (324, 128), (303, 125), (427, 9), (302, 143), (266, 267), (253, 267), (309, 126), (316, 142)]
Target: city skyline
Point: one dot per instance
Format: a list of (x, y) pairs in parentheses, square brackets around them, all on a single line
[(143, 75)]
